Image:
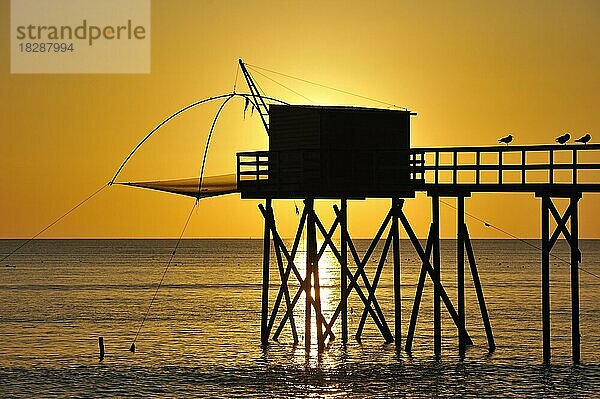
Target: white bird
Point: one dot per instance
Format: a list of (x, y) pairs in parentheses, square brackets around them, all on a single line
[(506, 139), (563, 139), (584, 139)]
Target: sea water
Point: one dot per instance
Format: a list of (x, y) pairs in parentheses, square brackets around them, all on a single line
[(201, 337)]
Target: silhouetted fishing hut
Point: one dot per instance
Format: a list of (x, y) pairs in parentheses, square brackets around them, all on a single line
[(336, 152), (318, 152)]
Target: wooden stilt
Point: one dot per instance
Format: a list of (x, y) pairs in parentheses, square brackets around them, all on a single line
[(264, 336), (545, 279), (395, 231), (309, 204), (344, 268), (311, 253), (575, 259), (437, 315), (460, 271)]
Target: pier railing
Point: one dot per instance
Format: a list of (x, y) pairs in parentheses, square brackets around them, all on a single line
[(512, 168), (252, 166), (381, 170), (532, 168)]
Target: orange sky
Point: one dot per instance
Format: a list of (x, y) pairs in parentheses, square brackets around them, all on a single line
[(472, 71)]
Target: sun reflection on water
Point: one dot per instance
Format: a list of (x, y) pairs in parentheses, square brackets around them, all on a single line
[(329, 276)]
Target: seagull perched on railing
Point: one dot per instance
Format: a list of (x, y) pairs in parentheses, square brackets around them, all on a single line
[(563, 139), (584, 139), (506, 139)]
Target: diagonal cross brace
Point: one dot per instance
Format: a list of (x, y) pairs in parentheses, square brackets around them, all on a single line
[(292, 266), (376, 314), (286, 293), (354, 281), (284, 279), (561, 224), (418, 295), (429, 270), (478, 289), (371, 298), (328, 242)]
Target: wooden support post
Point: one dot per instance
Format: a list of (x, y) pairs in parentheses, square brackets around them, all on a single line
[(575, 259), (460, 270), (437, 315), (311, 253), (397, 207), (344, 268), (545, 279), (264, 335), (101, 348), (309, 205)]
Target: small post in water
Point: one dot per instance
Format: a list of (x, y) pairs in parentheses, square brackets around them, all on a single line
[(101, 347)]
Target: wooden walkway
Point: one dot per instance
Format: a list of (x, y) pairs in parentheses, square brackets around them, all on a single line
[(535, 168)]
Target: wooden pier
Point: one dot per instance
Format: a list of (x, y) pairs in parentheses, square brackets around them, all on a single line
[(547, 171)]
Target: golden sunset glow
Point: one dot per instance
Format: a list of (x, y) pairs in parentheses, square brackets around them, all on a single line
[(472, 70)]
